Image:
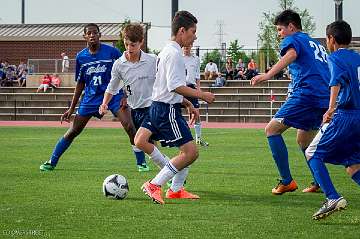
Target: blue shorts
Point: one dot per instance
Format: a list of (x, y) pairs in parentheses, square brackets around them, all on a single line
[(167, 125), (194, 101), (300, 114), (93, 110), (339, 142), (138, 116)]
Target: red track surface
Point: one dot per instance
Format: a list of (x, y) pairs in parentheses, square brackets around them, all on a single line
[(110, 124)]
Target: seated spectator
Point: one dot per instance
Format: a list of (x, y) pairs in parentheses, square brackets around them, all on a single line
[(219, 81), (229, 75), (20, 69), (55, 81), (10, 76), (240, 70), (211, 70), (45, 83), (22, 78), (251, 70)]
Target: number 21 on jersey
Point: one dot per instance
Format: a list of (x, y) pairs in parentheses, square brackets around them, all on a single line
[(319, 51), (97, 80)]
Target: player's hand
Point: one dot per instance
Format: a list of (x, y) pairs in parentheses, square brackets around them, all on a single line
[(103, 108), (123, 103), (193, 114), (208, 97), (329, 114), (258, 79), (66, 116)]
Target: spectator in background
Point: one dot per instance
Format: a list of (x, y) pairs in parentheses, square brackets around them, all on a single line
[(211, 70), (229, 69), (65, 62), (22, 78), (21, 67), (219, 81), (55, 81), (251, 70), (240, 70), (45, 83)]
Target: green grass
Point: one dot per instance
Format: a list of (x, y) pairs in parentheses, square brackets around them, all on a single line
[(233, 177)]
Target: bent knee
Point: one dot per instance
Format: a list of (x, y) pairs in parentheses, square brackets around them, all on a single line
[(351, 170)]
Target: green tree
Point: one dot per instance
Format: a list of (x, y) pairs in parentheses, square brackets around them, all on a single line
[(234, 51), (268, 34)]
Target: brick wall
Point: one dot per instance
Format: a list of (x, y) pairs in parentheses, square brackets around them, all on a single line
[(13, 51)]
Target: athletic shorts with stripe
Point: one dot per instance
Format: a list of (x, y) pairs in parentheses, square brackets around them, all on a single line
[(167, 124)]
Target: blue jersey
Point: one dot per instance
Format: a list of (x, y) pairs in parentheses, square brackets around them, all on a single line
[(309, 72), (95, 71), (344, 66)]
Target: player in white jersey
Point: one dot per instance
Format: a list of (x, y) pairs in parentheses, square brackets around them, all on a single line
[(135, 72), (192, 65), (165, 122)]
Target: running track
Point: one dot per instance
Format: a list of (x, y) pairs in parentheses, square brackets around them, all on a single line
[(111, 124)]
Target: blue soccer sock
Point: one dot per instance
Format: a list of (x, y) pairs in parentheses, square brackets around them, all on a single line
[(280, 155), (197, 127), (307, 162), (139, 155), (322, 176), (59, 149), (356, 177)]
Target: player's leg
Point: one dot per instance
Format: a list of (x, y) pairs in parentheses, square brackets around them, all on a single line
[(304, 139), (324, 147), (64, 142), (278, 148), (354, 172), (142, 141), (124, 115)]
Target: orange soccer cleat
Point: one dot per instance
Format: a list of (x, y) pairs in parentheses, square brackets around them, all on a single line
[(313, 188), (153, 191), (182, 193), (281, 188)]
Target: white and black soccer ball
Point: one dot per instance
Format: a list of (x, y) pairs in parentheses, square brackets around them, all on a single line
[(115, 186)]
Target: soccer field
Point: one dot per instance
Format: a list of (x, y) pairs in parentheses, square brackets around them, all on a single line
[(233, 177)]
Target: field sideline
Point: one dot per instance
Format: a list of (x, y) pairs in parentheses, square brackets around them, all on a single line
[(233, 177)]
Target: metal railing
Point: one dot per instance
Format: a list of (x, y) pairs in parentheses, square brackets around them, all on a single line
[(43, 66)]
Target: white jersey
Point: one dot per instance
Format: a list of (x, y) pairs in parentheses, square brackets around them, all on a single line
[(170, 74), (137, 79), (192, 65)]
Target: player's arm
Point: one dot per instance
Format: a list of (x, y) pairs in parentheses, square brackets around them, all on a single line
[(286, 60), (193, 113), (77, 93), (115, 84), (334, 92), (189, 92)]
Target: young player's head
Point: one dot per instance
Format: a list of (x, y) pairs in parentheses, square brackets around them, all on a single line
[(338, 34), (92, 34), (133, 37), (287, 22), (183, 28)]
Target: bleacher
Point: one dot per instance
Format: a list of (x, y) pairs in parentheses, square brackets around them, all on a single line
[(236, 102)]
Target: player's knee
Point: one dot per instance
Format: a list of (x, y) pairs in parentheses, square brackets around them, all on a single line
[(351, 170), (192, 154)]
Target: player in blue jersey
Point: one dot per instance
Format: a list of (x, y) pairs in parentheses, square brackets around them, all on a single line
[(338, 142), (93, 73), (303, 110)]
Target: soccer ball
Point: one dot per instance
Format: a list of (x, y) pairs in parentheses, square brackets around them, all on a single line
[(115, 186)]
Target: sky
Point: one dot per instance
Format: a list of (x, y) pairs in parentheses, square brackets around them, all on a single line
[(240, 18)]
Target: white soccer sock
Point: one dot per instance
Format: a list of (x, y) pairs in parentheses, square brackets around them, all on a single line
[(197, 127), (136, 149), (158, 158), (179, 179), (165, 174)]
